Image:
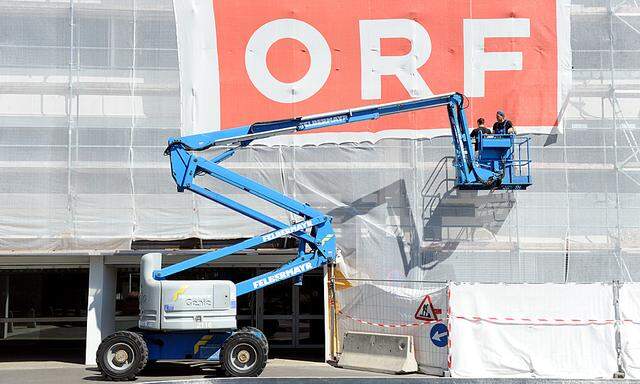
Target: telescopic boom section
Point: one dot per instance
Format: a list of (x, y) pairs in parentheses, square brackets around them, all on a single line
[(314, 231), (470, 174), (246, 134)]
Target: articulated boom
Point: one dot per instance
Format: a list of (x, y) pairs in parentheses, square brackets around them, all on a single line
[(488, 170), (194, 319), (317, 239)]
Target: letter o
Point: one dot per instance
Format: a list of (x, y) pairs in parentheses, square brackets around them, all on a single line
[(255, 60)]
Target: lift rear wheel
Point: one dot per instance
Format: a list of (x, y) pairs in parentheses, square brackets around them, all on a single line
[(122, 355), (244, 354)]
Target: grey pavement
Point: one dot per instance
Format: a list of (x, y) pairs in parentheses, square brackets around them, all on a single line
[(47, 372), (278, 371)]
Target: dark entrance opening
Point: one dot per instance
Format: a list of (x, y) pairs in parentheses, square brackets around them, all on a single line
[(43, 314)]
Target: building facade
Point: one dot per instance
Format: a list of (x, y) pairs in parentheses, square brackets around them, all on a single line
[(89, 92)]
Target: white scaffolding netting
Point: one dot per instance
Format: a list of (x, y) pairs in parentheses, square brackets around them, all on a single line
[(89, 92)]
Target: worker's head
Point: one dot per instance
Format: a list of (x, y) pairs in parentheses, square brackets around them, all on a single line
[(500, 116), (481, 122)]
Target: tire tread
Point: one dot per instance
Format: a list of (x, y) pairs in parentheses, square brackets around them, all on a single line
[(247, 333), (134, 339)]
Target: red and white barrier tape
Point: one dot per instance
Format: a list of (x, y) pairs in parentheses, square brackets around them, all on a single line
[(535, 321), (382, 325), (498, 320), (504, 320)]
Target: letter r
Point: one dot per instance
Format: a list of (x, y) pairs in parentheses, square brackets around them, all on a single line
[(405, 68)]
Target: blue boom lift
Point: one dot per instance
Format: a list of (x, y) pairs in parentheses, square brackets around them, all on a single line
[(196, 320)]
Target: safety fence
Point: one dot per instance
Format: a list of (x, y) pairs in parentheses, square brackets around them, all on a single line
[(396, 307), (498, 330)]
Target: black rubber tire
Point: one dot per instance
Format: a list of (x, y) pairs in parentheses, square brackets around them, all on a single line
[(260, 333), (247, 338), (140, 355)]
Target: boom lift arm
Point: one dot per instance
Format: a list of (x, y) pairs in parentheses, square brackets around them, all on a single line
[(196, 319), (316, 235)]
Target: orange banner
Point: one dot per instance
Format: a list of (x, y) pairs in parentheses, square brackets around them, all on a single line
[(287, 58)]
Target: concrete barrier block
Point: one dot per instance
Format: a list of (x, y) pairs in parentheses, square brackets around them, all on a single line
[(378, 352)]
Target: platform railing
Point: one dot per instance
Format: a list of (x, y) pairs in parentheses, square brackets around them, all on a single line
[(520, 165), (520, 162)]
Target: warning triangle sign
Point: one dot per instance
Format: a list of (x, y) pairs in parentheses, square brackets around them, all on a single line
[(426, 310)]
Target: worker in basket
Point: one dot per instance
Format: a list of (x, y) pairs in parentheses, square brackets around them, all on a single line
[(502, 126), (481, 129)]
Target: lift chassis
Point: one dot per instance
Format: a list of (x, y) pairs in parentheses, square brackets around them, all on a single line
[(196, 319)]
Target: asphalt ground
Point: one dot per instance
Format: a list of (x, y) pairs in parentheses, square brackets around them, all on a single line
[(55, 372), (278, 371)]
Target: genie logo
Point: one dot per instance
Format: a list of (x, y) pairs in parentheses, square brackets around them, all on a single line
[(191, 302), (198, 301), (287, 273), (286, 231)]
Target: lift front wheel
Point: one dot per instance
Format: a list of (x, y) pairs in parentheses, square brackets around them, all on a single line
[(244, 354), (122, 355)]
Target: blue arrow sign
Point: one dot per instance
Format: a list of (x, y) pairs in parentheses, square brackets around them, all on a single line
[(439, 335)]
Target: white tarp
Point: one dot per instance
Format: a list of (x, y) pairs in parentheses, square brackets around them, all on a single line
[(629, 301), (532, 330), (418, 311), (91, 91)]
